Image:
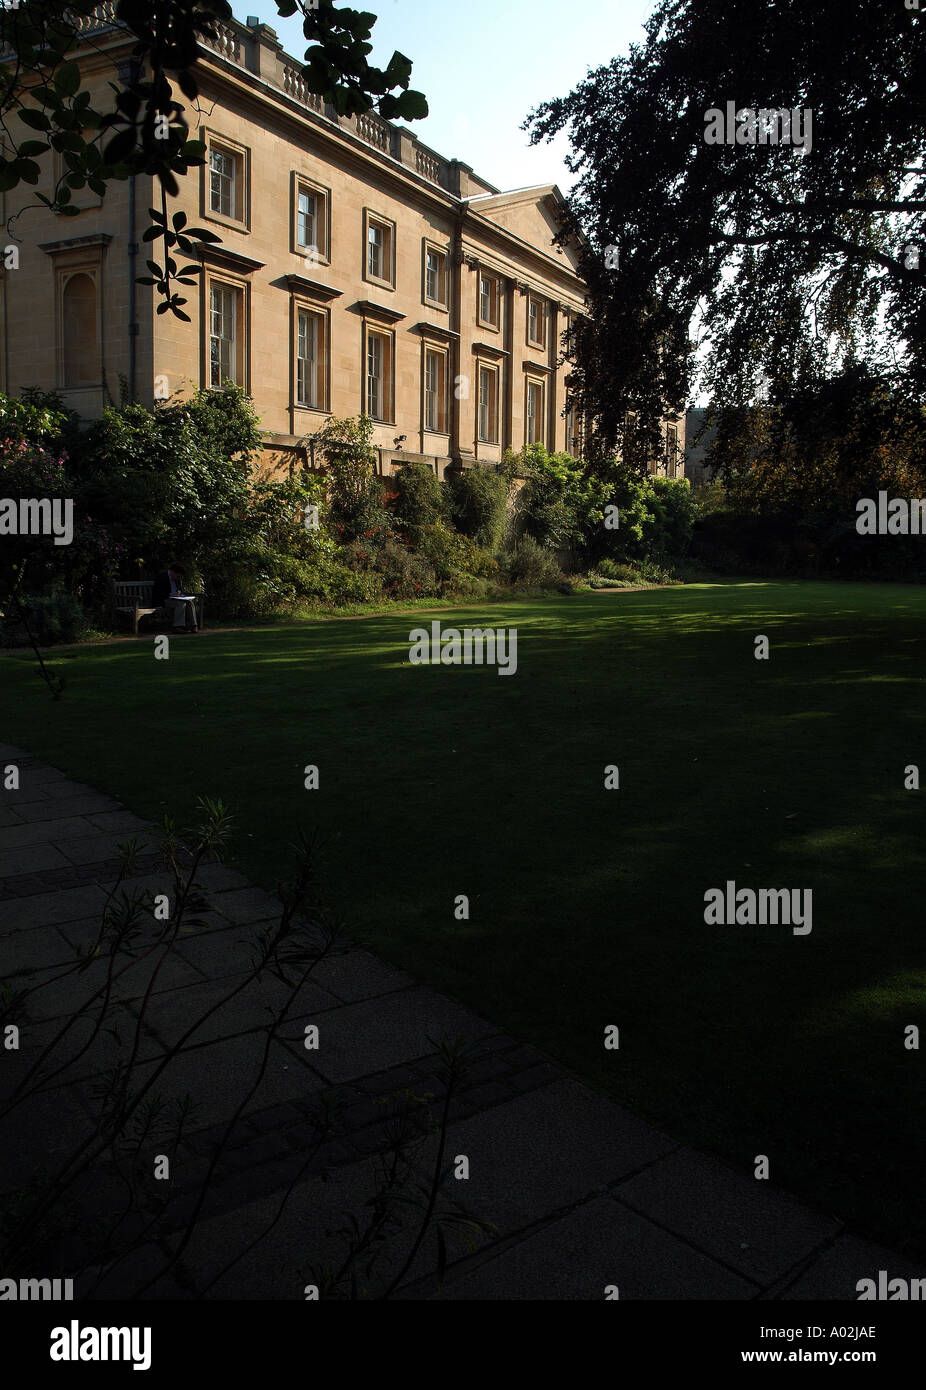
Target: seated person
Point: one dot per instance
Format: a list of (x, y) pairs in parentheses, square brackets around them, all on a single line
[(165, 589)]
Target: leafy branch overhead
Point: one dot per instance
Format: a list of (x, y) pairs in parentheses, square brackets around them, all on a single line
[(144, 130), (781, 253)]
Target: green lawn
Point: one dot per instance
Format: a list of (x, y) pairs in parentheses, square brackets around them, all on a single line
[(587, 905)]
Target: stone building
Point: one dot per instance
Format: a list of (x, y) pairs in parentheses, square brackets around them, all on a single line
[(359, 272)]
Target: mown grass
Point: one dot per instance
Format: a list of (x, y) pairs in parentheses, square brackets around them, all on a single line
[(587, 905)]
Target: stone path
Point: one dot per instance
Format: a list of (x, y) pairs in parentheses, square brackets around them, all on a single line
[(582, 1194)]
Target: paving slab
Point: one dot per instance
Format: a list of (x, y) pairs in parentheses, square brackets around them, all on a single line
[(217, 1076), (57, 807), (27, 859), (592, 1251), (253, 1008), (45, 909), (377, 1033), (835, 1272), (45, 831), (746, 1223), (543, 1151), (91, 849)]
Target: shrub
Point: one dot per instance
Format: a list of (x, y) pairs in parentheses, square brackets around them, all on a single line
[(401, 573), (53, 616), (528, 563), (420, 500), (456, 559), (478, 498), (173, 480), (355, 492)]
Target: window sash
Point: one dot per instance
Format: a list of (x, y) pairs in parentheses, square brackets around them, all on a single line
[(223, 341), (434, 276), (223, 173), (534, 412), (376, 358), (433, 391), (307, 219), (376, 263), (307, 359), (487, 300), (535, 321), (486, 405)]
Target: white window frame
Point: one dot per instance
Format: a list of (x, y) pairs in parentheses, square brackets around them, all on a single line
[(435, 391), (235, 296), (231, 179), (309, 368), (540, 340), (385, 277), (487, 433), (379, 348), (490, 320), (534, 423)]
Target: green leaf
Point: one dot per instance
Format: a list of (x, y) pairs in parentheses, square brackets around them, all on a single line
[(29, 171), (152, 233), (399, 70), (31, 147), (67, 79), (412, 106), (202, 234), (179, 220), (36, 119)]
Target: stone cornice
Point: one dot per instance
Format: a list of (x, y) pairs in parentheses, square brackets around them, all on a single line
[(226, 259), (75, 243), (369, 310), (312, 289)]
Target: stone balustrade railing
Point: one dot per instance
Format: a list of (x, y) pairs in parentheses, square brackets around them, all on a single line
[(225, 42), (374, 131), (294, 86), (428, 165)]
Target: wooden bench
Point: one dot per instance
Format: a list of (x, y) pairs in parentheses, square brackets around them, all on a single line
[(136, 597)]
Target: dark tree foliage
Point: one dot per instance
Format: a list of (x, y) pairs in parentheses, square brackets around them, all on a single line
[(784, 255), (43, 105)]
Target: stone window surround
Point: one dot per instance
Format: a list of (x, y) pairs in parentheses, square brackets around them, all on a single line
[(229, 280), (300, 181), (243, 154), (442, 350), (427, 244), (385, 282)]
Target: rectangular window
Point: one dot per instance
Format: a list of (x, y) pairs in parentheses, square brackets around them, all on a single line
[(379, 375), (488, 405), (671, 449), (224, 175), (435, 391), (535, 430), (376, 236), (488, 300), (225, 357), (310, 220), (435, 276), (307, 218), (380, 250), (309, 363), (536, 322)]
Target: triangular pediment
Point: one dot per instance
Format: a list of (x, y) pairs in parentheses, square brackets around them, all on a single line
[(530, 214)]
